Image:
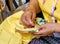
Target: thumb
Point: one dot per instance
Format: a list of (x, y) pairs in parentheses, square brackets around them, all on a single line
[(39, 26)]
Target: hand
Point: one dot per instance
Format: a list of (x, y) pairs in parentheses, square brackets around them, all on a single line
[(46, 29), (28, 18), (2, 5)]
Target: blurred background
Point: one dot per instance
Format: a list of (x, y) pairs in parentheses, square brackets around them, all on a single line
[(9, 7)]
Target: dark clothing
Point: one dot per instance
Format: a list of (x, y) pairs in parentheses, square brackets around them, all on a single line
[(46, 39), (27, 1)]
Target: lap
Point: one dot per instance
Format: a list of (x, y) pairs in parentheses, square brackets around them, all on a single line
[(45, 40)]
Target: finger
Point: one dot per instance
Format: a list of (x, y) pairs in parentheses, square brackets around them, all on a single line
[(29, 20), (33, 17), (43, 35), (40, 27), (43, 31), (23, 20), (40, 35)]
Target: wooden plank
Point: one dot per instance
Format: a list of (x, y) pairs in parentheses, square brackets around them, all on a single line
[(11, 5), (1, 19), (20, 3), (23, 7)]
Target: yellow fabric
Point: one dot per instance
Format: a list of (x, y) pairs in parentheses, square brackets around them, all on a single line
[(46, 10), (8, 33), (23, 28)]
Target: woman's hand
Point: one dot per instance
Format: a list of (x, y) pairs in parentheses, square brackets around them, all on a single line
[(48, 29), (28, 18)]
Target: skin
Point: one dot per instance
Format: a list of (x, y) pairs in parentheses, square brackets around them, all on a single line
[(2, 5), (48, 29), (29, 15), (28, 19)]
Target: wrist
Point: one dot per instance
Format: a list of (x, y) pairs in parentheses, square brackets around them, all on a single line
[(31, 8), (57, 27)]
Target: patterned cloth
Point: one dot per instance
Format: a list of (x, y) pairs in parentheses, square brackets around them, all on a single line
[(45, 40)]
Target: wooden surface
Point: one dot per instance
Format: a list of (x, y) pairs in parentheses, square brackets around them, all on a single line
[(1, 17), (20, 3), (23, 7), (11, 5)]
